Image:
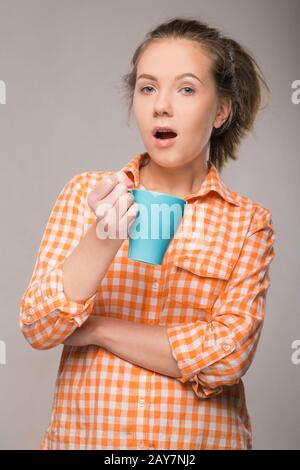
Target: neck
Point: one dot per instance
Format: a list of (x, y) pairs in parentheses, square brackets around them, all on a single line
[(176, 181)]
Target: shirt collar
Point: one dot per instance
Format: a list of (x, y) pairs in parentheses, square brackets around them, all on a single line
[(212, 181)]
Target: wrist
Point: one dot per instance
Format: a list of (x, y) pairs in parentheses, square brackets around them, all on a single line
[(98, 331), (103, 237), (93, 331)]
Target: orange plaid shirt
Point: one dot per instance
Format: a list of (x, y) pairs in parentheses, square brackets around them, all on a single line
[(210, 292)]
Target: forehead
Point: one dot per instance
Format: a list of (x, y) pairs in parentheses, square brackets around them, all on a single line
[(175, 55)]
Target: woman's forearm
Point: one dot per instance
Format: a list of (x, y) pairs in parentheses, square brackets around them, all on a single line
[(86, 266), (139, 343)]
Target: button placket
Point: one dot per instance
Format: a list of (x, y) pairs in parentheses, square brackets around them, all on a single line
[(155, 285), (141, 403), (141, 418)]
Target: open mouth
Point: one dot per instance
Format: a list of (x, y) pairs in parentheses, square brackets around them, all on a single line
[(165, 135)]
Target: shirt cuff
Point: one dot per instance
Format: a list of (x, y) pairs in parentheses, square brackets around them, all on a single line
[(202, 391), (191, 362), (50, 296)]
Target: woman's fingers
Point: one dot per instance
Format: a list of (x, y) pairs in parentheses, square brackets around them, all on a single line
[(124, 202), (101, 190), (115, 225), (106, 186), (111, 199), (123, 178)]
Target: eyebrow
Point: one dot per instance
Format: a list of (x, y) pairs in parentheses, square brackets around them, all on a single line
[(151, 77)]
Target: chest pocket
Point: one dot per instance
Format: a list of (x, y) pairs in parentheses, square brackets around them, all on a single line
[(198, 284)]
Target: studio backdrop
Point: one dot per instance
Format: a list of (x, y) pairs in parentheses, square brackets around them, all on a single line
[(62, 113)]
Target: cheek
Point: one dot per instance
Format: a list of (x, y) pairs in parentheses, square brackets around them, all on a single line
[(201, 118), (136, 105), (199, 107), (140, 110)]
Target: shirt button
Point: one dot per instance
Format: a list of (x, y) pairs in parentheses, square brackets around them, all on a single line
[(226, 346), (155, 285), (141, 445), (141, 403)]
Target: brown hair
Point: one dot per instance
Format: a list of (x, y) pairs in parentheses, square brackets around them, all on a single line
[(236, 74)]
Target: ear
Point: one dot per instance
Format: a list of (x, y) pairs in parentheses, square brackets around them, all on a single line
[(223, 111)]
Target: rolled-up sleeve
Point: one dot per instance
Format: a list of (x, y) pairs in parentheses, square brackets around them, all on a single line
[(46, 316), (214, 354)]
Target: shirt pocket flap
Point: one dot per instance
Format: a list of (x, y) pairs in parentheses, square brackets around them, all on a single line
[(198, 284), (214, 267)]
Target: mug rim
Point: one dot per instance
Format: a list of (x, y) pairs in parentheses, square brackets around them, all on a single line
[(160, 194)]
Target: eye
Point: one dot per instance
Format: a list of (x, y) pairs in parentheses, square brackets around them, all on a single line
[(189, 88), (184, 88), (142, 89)]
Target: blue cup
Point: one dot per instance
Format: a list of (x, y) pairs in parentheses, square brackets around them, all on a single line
[(153, 229)]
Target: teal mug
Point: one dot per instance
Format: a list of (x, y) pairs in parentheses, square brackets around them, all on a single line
[(158, 218)]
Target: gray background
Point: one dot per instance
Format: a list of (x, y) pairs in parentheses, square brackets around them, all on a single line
[(62, 62)]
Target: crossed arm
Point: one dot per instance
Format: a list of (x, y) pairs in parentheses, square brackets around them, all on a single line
[(144, 345)]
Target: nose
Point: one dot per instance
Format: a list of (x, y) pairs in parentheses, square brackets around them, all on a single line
[(163, 104)]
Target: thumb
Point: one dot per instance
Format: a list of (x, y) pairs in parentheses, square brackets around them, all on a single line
[(123, 178)]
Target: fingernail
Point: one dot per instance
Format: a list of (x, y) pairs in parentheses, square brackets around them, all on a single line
[(121, 174), (124, 178), (134, 208)]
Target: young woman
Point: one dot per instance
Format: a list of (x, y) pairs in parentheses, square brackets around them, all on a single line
[(154, 356)]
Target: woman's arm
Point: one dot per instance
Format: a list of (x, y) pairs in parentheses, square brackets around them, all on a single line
[(67, 260), (86, 266), (141, 344)]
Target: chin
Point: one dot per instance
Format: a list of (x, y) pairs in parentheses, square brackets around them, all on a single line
[(166, 161)]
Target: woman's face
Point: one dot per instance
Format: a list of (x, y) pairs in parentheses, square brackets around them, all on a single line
[(188, 105)]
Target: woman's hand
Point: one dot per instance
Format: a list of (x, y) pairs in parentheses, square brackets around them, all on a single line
[(88, 333), (113, 206)]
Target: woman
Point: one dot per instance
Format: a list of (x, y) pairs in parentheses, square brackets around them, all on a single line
[(154, 356)]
